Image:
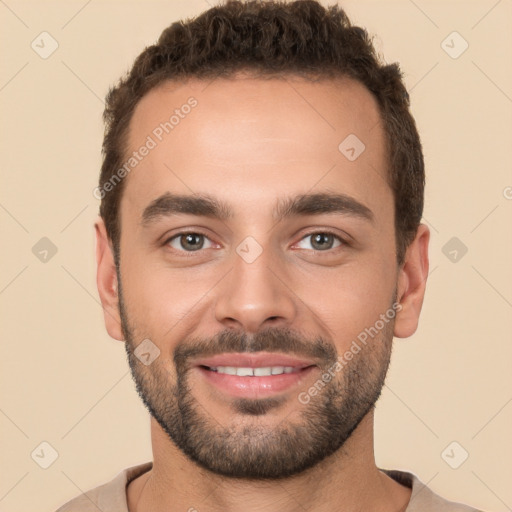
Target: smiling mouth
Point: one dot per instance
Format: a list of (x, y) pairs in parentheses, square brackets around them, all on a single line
[(255, 382)]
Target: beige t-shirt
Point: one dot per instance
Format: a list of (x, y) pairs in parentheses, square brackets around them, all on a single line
[(111, 497)]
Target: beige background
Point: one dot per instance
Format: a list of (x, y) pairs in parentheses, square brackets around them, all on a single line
[(64, 381)]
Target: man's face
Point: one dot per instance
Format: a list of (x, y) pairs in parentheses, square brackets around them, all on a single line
[(266, 286)]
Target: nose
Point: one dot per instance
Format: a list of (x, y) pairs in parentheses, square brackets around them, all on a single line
[(255, 295)]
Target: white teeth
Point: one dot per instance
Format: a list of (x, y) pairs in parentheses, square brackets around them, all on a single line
[(244, 372), (253, 372), (230, 370), (262, 372)]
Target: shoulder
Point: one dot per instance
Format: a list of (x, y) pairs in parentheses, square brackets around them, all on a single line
[(108, 497), (424, 499)]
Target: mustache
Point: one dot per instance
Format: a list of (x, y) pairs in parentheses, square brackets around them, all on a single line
[(282, 340)]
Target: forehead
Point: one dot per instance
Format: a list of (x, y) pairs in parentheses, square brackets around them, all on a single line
[(250, 139)]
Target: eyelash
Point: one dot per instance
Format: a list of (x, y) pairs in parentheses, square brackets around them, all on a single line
[(184, 253)]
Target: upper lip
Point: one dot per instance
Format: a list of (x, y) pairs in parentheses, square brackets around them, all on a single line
[(254, 360)]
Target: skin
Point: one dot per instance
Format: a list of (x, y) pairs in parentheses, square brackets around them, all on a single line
[(249, 142)]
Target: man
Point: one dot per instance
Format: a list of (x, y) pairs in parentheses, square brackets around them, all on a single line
[(258, 248)]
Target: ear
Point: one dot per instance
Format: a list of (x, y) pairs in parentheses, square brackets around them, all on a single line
[(106, 280), (412, 280)]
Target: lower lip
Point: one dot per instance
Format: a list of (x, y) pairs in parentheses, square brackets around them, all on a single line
[(255, 387)]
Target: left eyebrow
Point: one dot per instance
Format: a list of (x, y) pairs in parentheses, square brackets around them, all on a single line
[(302, 205), (320, 204)]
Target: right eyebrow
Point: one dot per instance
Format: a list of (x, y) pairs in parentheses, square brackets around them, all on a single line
[(171, 204)]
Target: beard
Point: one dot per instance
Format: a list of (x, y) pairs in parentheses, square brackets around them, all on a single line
[(248, 449)]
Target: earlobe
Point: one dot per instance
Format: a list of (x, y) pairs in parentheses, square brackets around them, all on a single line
[(106, 281), (411, 285)]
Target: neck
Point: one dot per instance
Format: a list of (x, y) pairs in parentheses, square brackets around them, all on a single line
[(348, 480)]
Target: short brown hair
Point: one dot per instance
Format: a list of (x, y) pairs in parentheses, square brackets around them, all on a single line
[(271, 38)]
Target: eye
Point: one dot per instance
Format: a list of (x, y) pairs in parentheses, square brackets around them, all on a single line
[(322, 241), (192, 241), (188, 242)]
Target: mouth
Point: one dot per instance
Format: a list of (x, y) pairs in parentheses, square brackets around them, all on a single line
[(254, 375)]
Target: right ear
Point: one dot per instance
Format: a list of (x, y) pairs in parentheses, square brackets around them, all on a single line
[(106, 280)]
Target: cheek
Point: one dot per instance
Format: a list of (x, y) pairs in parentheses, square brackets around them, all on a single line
[(159, 299), (351, 299)]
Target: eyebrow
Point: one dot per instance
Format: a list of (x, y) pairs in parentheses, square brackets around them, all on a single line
[(203, 205)]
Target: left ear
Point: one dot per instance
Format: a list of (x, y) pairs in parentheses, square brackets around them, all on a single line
[(412, 281)]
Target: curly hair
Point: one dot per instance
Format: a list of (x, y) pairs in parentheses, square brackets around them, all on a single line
[(271, 38)]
